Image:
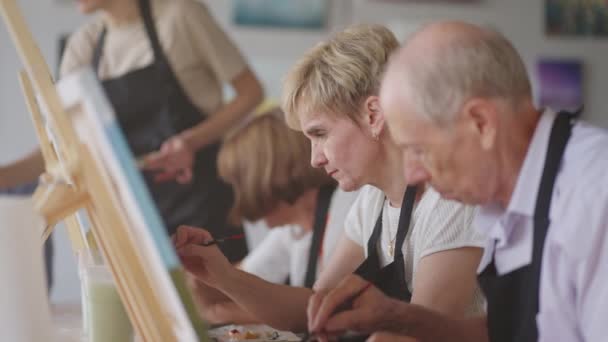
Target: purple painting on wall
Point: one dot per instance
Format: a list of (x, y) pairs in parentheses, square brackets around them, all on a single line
[(560, 84)]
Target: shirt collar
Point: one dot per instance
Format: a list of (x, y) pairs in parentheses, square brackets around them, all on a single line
[(523, 199), (491, 218)]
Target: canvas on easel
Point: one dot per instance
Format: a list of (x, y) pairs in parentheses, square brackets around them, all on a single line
[(108, 153), (90, 167)]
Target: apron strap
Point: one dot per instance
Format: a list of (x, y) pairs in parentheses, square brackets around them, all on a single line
[(146, 13), (405, 216), (372, 242), (391, 278), (148, 19), (98, 52), (319, 225), (370, 266), (560, 134), (575, 114)]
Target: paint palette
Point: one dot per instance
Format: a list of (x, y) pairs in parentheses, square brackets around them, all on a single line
[(251, 333)]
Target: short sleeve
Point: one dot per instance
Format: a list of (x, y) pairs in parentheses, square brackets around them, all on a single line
[(270, 260), (353, 226), (448, 225), (79, 48), (360, 219), (211, 43)]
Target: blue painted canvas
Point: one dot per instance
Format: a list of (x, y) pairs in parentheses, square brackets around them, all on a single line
[(297, 14)]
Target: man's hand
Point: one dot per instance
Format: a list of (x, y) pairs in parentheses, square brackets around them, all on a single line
[(329, 312)]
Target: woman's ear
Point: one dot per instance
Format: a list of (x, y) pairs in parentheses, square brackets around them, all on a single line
[(374, 116)]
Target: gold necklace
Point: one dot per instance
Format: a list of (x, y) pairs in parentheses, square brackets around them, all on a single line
[(391, 243), (391, 247)]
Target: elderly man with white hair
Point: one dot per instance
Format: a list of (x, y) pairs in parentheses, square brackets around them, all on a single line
[(458, 100)]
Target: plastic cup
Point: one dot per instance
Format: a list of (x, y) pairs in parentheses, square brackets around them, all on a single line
[(104, 314)]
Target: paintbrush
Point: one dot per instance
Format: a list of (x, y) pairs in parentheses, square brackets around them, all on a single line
[(141, 161), (223, 239)]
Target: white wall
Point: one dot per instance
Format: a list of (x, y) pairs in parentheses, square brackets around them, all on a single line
[(48, 19), (272, 52), (521, 20)]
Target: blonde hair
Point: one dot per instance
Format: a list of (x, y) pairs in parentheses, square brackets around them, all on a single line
[(266, 163), (337, 75)]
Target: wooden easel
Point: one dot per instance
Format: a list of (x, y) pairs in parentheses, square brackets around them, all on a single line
[(77, 179), (46, 190)]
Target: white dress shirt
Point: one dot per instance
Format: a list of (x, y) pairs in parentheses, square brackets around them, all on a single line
[(574, 277)]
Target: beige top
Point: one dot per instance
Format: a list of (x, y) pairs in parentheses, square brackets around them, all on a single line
[(201, 54)]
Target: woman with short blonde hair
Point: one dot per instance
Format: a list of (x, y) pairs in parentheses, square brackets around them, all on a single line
[(337, 75), (331, 94)]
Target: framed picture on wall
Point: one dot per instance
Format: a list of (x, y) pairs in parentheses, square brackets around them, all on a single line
[(560, 83), (576, 18), (429, 1), (296, 14)]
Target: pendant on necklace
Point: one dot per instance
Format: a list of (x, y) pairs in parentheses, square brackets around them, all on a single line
[(391, 249)]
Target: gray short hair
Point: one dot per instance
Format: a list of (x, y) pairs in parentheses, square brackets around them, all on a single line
[(483, 65)]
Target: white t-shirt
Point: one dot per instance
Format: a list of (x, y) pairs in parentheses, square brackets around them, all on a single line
[(436, 225), (284, 252)]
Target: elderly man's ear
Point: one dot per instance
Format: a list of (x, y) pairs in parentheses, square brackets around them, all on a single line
[(481, 118)]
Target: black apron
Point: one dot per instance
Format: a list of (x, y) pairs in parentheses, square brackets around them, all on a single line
[(390, 279), (318, 233), (513, 297), (151, 107)]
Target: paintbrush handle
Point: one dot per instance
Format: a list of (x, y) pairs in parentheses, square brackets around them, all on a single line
[(222, 239), (210, 243)]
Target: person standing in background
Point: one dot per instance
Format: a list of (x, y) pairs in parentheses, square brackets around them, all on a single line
[(163, 64)]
